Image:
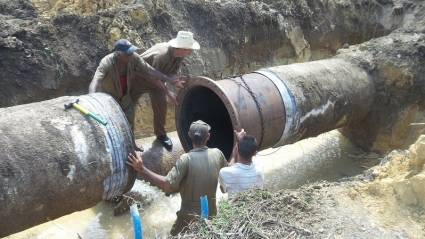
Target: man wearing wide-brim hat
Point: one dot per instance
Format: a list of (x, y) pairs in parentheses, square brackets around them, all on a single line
[(166, 57)]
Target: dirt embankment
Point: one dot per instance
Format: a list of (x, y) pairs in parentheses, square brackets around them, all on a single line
[(52, 48), (395, 63), (396, 191)]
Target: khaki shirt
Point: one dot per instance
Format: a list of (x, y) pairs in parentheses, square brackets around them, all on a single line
[(196, 174), (160, 57), (106, 78)]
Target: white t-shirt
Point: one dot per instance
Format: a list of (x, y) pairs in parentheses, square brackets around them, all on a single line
[(240, 177)]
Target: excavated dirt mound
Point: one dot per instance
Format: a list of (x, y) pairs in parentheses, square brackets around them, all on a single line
[(52, 48), (395, 63), (396, 193)]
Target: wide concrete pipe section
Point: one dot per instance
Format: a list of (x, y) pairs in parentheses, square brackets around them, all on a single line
[(278, 105), (54, 161)]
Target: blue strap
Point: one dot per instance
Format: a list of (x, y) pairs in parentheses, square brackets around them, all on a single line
[(204, 207)]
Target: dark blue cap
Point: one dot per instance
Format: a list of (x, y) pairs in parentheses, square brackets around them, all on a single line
[(125, 46)]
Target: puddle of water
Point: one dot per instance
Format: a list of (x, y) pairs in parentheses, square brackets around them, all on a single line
[(100, 223), (158, 215)]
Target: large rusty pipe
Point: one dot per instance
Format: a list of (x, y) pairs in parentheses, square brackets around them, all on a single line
[(278, 105), (54, 161)]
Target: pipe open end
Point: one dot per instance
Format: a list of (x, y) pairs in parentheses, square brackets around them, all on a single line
[(202, 99)]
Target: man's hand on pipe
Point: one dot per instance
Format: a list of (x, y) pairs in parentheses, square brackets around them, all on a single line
[(239, 134), (178, 82), (135, 160)]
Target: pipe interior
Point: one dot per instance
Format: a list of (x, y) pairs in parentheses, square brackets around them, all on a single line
[(201, 103)]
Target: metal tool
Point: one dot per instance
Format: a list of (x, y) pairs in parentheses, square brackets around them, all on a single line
[(84, 111)]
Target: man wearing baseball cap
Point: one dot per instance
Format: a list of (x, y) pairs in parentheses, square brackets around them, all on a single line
[(166, 57), (120, 70), (194, 175)]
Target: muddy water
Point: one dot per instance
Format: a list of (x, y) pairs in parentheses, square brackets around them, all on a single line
[(100, 223), (158, 213), (329, 156)]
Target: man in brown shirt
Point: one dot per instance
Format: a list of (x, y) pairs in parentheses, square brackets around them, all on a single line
[(194, 175), (120, 70), (167, 58)]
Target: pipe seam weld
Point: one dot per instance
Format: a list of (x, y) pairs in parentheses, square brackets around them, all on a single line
[(291, 114)]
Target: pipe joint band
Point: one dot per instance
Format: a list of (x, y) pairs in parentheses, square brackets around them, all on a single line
[(289, 102), (116, 141)]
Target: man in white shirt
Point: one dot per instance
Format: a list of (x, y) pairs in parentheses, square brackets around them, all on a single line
[(243, 174)]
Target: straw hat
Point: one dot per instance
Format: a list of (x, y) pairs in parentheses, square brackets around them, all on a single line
[(184, 40)]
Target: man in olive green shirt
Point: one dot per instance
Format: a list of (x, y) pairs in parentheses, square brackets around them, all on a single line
[(166, 57), (194, 175)]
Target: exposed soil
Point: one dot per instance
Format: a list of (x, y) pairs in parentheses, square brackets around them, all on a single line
[(395, 63), (52, 48)]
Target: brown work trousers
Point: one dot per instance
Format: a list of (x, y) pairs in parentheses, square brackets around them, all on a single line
[(158, 100)]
